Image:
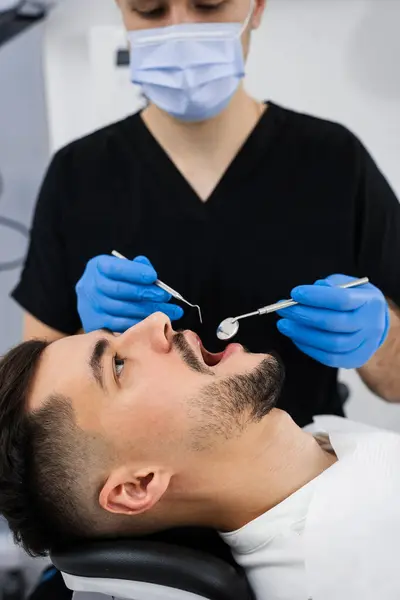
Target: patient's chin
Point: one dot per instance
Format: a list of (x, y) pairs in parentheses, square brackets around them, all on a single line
[(242, 396), (262, 387)]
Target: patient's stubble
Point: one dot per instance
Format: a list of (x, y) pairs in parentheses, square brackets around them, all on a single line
[(224, 408)]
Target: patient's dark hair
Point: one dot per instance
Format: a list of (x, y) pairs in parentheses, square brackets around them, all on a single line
[(42, 455)]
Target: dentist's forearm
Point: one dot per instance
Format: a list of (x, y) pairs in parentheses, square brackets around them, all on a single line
[(382, 372), (35, 329)]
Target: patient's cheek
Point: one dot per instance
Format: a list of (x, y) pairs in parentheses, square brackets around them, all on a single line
[(89, 414), (150, 418)]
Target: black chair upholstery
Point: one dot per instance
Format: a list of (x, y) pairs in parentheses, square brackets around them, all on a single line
[(192, 560), (344, 392)]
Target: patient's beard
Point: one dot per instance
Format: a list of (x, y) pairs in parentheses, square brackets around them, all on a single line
[(224, 409)]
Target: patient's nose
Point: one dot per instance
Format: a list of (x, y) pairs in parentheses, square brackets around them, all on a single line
[(155, 332)]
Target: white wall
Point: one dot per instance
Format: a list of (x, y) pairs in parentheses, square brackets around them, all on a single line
[(338, 59), (84, 89)]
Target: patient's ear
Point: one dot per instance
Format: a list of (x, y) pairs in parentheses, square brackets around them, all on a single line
[(132, 492)]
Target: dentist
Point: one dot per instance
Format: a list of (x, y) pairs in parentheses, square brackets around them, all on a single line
[(233, 202)]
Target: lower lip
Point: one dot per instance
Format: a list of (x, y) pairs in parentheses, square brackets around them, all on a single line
[(231, 349)]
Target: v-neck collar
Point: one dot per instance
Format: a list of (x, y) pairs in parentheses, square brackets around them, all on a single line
[(172, 181)]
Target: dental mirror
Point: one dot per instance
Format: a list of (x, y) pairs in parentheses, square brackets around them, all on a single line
[(229, 327)]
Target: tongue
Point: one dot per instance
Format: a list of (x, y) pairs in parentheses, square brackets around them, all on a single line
[(211, 359), (216, 358)]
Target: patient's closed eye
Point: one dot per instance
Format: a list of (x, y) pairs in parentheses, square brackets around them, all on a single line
[(118, 365)]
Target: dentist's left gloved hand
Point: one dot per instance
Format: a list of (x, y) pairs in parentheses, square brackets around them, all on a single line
[(341, 328)]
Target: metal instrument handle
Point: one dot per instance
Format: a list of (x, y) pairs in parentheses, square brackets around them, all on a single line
[(287, 303), (158, 283)]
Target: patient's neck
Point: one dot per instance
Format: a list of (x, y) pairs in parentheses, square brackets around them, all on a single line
[(251, 474)]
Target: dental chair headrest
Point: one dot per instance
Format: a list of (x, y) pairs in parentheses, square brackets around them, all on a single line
[(193, 560)]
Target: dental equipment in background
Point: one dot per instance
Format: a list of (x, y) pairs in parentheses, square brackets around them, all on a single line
[(229, 327), (166, 288)]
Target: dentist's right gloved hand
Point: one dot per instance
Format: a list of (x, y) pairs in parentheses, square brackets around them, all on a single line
[(118, 294)]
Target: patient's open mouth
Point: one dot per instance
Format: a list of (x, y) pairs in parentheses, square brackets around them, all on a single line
[(210, 359)]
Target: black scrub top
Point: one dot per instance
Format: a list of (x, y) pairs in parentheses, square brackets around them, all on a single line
[(302, 200)]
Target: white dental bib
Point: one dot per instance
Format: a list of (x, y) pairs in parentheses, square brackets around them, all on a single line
[(352, 532), (338, 538)]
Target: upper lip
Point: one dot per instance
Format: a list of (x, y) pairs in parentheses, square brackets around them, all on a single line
[(209, 358)]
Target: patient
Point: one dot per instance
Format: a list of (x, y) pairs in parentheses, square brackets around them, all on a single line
[(105, 435)]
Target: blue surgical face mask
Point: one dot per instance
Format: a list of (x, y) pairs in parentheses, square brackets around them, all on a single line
[(190, 71)]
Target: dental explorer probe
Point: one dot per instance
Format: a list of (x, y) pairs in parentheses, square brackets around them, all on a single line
[(228, 328), (166, 288)]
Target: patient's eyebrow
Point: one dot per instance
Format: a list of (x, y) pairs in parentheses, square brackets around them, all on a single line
[(143, 4), (96, 361)]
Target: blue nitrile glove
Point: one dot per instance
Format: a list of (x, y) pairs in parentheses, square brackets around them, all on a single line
[(117, 294), (341, 328)]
